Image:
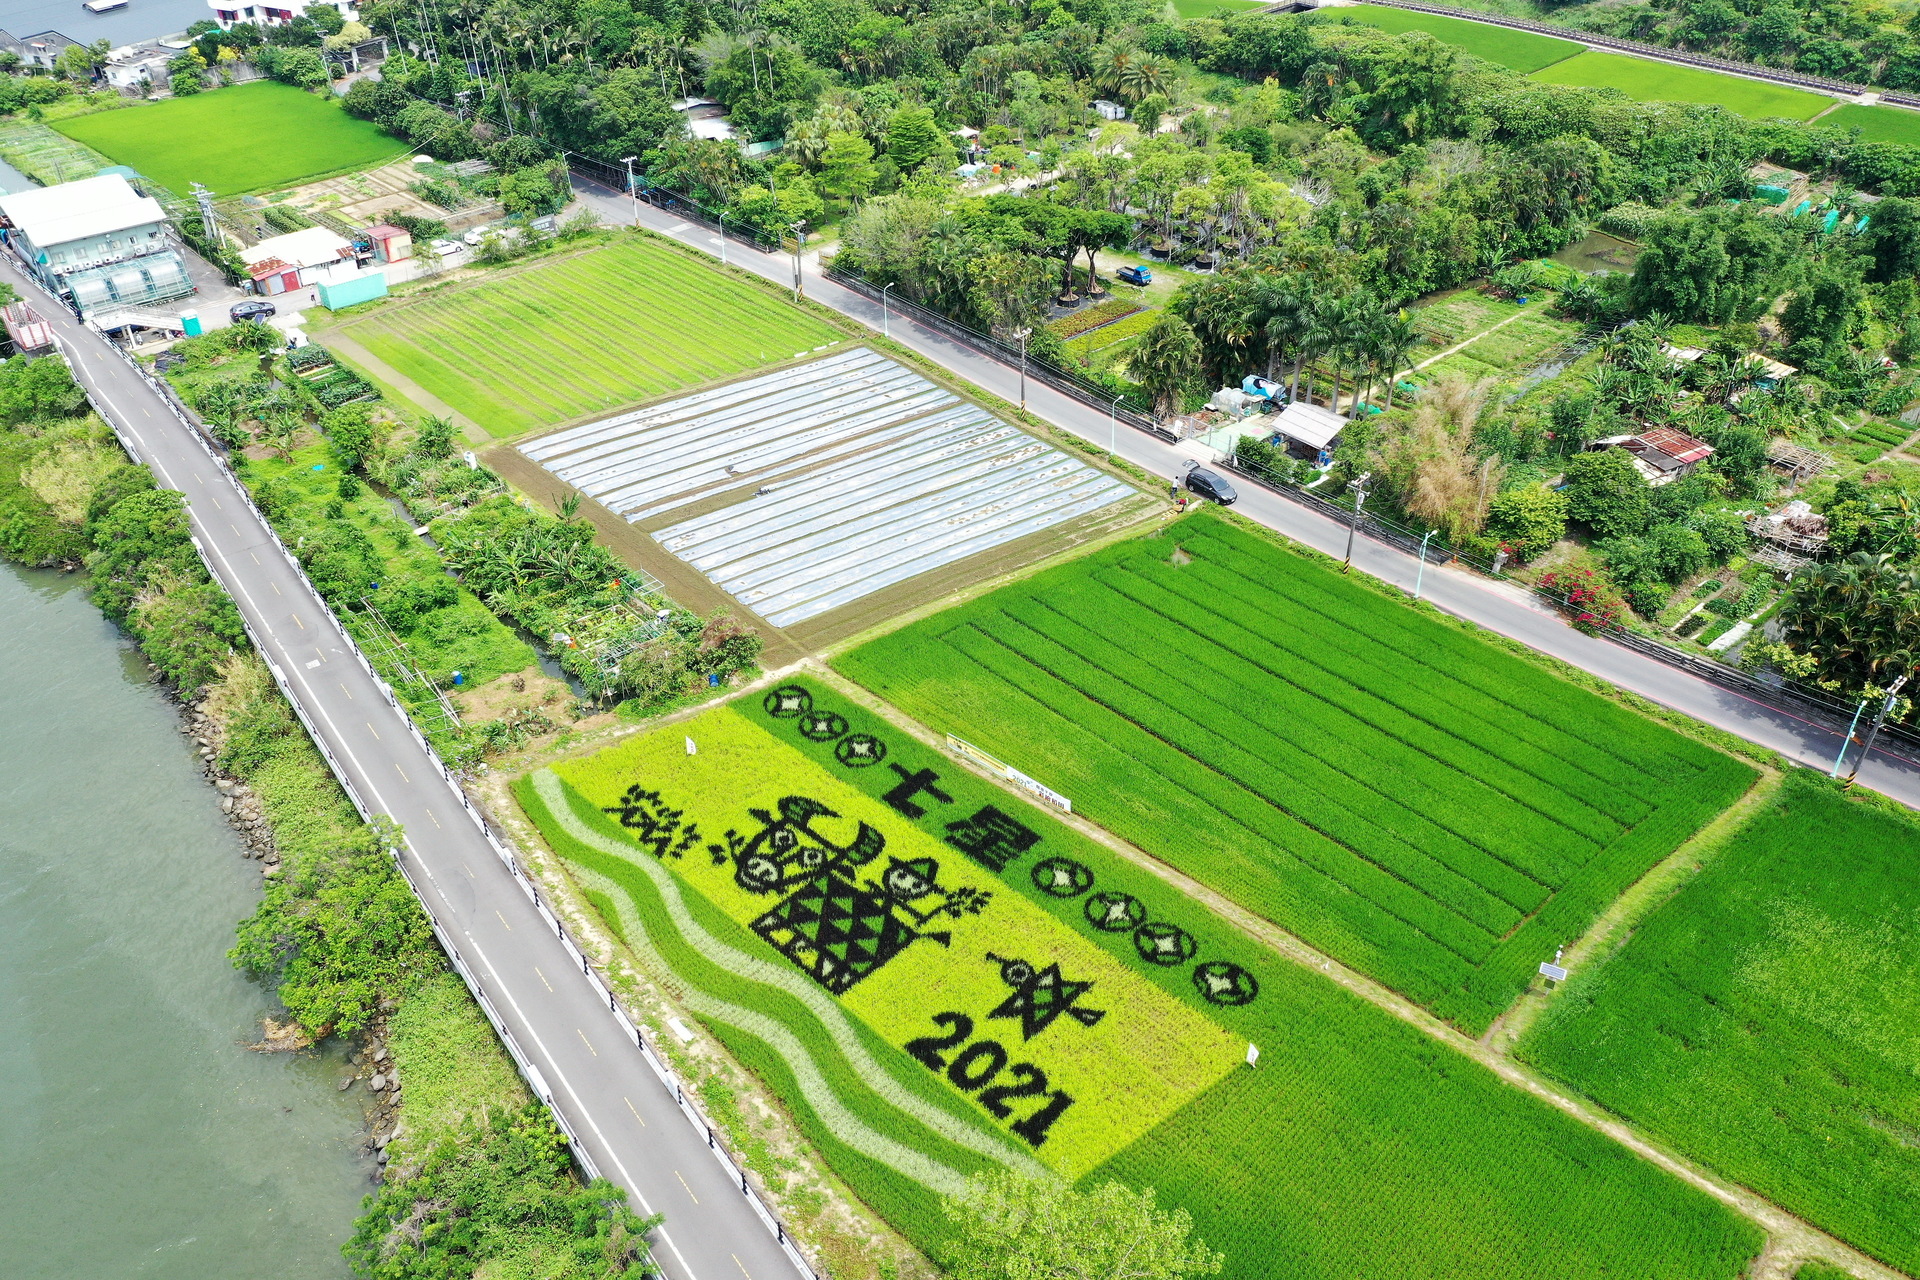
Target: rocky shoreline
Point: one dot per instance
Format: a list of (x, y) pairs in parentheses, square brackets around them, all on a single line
[(370, 1061)]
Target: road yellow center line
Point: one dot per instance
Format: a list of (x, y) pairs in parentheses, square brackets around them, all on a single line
[(636, 1114), (590, 1049), (543, 978), (690, 1195)]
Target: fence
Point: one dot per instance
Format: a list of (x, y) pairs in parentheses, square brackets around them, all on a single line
[(1797, 79), (501, 849), (1088, 392), (1779, 693), (680, 203)]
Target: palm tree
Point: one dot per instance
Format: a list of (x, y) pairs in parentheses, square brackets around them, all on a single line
[(1394, 340), (1166, 361)]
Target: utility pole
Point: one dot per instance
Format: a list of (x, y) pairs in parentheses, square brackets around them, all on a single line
[(799, 238), (1113, 412), (723, 237), (886, 319), (1023, 335), (1359, 487), (633, 188), (1847, 740), (1421, 575), (204, 198), (1873, 730)]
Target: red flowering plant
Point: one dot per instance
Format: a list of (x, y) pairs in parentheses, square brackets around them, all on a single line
[(1591, 600)]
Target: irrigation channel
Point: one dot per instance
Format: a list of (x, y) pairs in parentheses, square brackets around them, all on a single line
[(138, 1135)]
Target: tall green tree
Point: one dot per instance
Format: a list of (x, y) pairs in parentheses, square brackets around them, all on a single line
[(1166, 361), (1607, 491)]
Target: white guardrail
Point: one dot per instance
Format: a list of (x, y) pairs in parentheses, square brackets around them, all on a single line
[(600, 986)]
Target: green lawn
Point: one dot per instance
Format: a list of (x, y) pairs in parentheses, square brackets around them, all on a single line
[(1358, 1149), (1523, 51), (251, 137), (585, 334), (1430, 809), (1876, 124), (1650, 80), (1766, 1021)]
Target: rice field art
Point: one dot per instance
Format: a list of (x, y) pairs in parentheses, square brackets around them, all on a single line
[(1435, 811), (938, 978)]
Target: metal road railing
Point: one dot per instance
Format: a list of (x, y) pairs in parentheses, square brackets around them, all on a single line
[(501, 849), (679, 203), (1088, 392), (1779, 693)]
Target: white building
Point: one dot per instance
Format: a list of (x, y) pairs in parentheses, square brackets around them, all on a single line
[(293, 261), (278, 14), (96, 241)]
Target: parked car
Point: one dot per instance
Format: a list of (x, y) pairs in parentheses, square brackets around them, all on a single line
[(1135, 275), (1207, 484), (251, 310), (447, 248)]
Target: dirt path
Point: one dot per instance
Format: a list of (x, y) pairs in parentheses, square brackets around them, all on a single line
[(1790, 1240), (1461, 345)]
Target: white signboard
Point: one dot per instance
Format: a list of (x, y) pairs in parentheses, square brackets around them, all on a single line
[(1038, 790)]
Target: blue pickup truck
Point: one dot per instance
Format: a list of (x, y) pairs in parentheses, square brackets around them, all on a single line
[(1136, 275)]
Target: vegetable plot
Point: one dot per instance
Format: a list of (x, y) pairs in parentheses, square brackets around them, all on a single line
[(1020, 995), (1429, 809)]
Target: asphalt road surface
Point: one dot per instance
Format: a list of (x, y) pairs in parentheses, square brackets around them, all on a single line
[(623, 1116), (1511, 611)]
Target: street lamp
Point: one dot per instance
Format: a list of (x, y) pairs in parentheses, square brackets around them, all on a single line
[(723, 237), (1417, 577), (1113, 421), (1873, 730), (1023, 335), (1359, 487), (798, 239), (886, 324), (633, 188)]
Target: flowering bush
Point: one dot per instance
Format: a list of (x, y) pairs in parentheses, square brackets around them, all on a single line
[(1591, 600)]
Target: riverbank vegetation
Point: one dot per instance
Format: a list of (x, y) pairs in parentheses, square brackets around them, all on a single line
[(338, 935)]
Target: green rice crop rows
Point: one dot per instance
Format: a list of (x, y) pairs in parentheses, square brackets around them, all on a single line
[(1523, 51), (1876, 123), (1651, 80), (1428, 808), (1359, 1148), (592, 332), (1766, 1021), (251, 137)]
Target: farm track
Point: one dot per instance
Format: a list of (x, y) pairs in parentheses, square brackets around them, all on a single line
[(1790, 1241)]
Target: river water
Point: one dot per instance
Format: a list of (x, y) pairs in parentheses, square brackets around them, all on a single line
[(138, 1137)]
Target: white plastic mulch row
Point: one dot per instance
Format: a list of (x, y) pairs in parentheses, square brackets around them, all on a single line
[(868, 475)]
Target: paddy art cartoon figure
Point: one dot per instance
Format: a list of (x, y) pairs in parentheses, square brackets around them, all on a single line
[(835, 926)]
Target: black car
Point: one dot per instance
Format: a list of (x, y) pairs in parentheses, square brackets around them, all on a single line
[(251, 311), (1205, 484)]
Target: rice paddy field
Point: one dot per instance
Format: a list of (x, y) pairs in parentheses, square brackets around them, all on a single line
[(1523, 51), (1650, 80), (250, 137), (1766, 1021), (584, 334), (937, 978), (1876, 123), (1432, 810)]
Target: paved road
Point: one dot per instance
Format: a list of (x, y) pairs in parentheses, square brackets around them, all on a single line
[(624, 1117), (1507, 610)]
